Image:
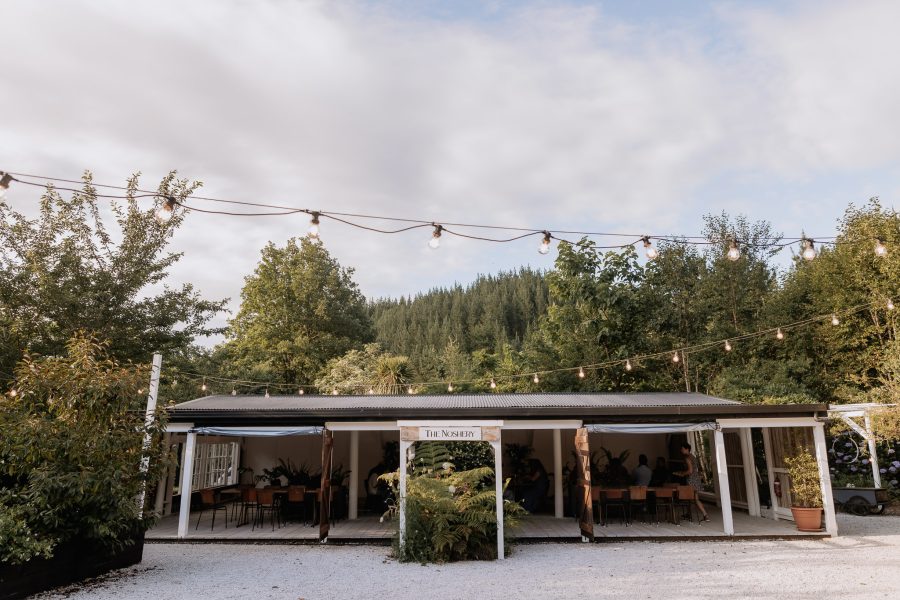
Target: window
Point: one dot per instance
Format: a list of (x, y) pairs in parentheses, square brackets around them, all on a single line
[(216, 465)]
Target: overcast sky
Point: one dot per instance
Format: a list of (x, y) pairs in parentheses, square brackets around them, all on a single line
[(612, 116)]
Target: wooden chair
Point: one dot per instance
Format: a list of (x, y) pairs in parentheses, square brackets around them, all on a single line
[(615, 498), (248, 503), (686, 501), (294, 503), (208, 502), (637, 498), (596, 494), (266, 502), (665, 501)]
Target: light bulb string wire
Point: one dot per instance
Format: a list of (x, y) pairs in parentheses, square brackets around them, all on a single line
[(635, 360), (344, 217)]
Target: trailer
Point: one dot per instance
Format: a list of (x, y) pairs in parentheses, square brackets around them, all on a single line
[(861, 500)]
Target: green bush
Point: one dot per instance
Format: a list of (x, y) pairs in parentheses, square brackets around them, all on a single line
[(450, 514), (806, 490), (71, 453)]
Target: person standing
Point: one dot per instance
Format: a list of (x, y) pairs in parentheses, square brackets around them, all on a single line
[(692, 473)]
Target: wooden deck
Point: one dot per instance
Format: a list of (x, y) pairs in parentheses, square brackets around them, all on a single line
[(535, 528)]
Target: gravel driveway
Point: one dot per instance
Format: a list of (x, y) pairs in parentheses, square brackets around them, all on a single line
[(863, 563)]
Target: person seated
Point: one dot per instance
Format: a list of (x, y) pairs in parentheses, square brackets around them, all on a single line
[(616, 475), (536, 485), (642, 474), (660, 473)]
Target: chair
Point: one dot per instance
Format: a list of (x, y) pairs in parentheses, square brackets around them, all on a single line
[(294, 503), (248, 503), (266, 502), (596, 494), (686, 501), (616, 499), (665, 501), (208, 502), (637, 498)]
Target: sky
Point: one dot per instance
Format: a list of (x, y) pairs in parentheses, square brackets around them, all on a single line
[(635, 117)]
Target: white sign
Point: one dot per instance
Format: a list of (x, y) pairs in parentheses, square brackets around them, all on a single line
[(450, 434)]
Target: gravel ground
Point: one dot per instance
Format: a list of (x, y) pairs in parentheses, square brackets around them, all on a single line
[(863, 563)]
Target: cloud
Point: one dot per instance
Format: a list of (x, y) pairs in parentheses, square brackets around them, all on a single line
[(548, 116)]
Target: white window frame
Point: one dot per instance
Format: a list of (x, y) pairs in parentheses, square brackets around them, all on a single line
[(216, 465)]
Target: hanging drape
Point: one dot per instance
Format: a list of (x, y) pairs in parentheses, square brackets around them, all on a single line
[(251, 432), (649, 427)]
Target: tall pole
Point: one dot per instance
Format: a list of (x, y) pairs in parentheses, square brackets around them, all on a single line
[(187, 483), (148, 420), (498, 493), (557, 474), (404, 448), (873, 451), (825, 479), (724, 490)]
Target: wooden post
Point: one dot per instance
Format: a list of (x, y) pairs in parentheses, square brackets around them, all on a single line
[(498, 491), (325, 487), (586, 514), (753, 508), (770, 471), (353, 508), (187, 482), (724, 490), (557, 474), (825, 479)]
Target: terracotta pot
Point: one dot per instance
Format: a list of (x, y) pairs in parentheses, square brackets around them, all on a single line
[(807, 519)]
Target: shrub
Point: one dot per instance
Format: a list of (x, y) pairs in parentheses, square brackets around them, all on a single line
[(450, 514), (806, 491), (71, 453)]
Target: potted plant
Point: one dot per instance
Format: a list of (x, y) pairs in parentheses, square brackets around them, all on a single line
[(806, 491)]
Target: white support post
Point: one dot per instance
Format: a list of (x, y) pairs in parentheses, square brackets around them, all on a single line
[(187, 481), (873, 451), (557, 475), (692, 436), (353, 509), (404, 448), (770, 472), (753, 508), (825, 479), (724, 490), (148, 420), (159, 503), (498, 483)]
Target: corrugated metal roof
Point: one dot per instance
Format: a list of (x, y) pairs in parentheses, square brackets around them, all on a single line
[(448, 401)]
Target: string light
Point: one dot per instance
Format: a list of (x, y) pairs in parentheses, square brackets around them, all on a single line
[(493, 384), (140, 391), (675, 357), (733, 252), (628, 365), (267, 393), (203, 387), (450, 387), (779, 335), (334, 392), (409, 389), (809, 248), (727, 346), (166, 210), (301, 391), (880, 248), (581, 372), (13, 393), (536, 379), (314, 226), (233, 392), (544, 248), (650, 250), (890, 304), (834, 320), (435, 242)]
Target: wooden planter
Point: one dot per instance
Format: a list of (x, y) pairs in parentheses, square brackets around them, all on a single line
[(807, 519), (71, 562)]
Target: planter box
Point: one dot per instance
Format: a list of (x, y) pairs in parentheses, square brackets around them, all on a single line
[(72, 562)]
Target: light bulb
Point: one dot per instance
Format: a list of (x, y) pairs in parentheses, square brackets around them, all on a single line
[(727, 346), (314, 226), (435, 242), (675, 357), (809, 249), (733, 252), (140, 391), (628, 365), (580, 373), (835, 321), (334, 392), (450, 387), (544, 248), (371, 391), (203, 387), (166, 210), (301, 391), (536, 379), (13, 393), (880, 248), (409, 390), (233, 392), (890, 304), (779, 335), (267, 393), (651, 251), (493, 384)]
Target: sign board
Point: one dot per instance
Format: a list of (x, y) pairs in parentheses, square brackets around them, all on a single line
[(450, 433)]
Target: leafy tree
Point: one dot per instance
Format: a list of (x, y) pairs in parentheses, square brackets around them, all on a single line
[(299, 309), (71, 450), (358, 371), (66, 271)]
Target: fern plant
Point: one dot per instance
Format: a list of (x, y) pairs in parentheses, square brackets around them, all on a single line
[(450, 514)]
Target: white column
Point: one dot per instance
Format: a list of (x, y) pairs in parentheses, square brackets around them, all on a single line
[(770, 472), (749, 462), (159, 503), (404, 447), (352, 512), (873, 451), (187, 481), (717, 485), (148, 420), (498, 488), (724, 490), (825, 479), (557, 474)]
